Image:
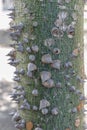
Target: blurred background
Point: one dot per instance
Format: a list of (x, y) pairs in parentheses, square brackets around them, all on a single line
[(6, 4), (6, 71)]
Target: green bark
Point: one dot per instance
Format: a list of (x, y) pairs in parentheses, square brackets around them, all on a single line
[(39, 19)]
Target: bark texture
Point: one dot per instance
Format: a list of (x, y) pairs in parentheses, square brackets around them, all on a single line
[(49, 47)]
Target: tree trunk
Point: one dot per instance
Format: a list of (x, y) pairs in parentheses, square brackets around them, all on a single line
[(48, 44)]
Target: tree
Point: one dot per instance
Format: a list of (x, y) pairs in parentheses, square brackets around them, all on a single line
[(48, 55)]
